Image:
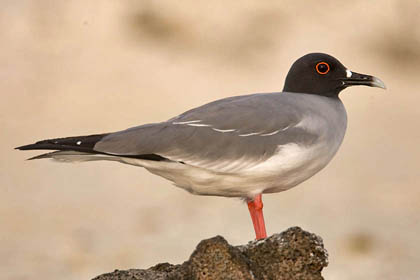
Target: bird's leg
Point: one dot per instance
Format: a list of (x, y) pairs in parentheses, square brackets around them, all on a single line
[(255, 207)]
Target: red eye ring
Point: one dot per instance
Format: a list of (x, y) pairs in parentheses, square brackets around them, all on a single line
[(320, 68)]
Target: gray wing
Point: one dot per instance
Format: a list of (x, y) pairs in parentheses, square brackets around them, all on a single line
[(225, 136)]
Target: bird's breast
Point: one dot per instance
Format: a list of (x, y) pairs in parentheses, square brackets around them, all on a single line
[(294, 163)]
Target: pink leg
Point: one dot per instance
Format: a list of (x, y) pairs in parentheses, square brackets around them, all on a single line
[(256, 210)]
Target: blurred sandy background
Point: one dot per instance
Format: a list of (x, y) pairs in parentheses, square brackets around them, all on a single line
[(79, 67)]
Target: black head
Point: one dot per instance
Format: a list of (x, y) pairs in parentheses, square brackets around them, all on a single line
[(322, 74)]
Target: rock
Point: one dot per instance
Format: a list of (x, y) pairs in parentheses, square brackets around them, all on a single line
[(291, 255)]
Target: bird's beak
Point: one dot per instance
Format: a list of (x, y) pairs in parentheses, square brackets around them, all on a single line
[(356, 79)]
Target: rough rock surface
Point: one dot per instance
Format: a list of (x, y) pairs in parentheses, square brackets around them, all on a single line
[(292, 254)]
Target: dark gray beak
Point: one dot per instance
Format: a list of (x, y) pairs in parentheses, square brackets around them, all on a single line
[(356, 79)]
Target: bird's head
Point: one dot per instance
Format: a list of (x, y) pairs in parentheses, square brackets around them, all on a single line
[(322, 74)]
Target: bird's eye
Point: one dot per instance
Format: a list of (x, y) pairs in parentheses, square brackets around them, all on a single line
[(322, 68)]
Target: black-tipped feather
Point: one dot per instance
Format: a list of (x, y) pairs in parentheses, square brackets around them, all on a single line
[(79, 144), (75, 143)]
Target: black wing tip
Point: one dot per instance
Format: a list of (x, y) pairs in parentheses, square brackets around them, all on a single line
[(77, 143), (34, 146), (38, 146), (26, 147), (86, 145)]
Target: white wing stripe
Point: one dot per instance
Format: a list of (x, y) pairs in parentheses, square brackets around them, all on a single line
[(223, 130), (197, 124), (249, 134), (269, 134)]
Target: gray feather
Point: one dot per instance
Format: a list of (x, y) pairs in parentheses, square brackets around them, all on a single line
[(203, 146)]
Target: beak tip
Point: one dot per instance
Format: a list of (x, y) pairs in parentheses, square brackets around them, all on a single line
[(376, 82)]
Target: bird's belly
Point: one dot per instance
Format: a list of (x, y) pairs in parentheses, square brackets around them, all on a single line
[(291, 165)]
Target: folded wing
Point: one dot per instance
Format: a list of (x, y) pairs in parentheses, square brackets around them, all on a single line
[(227, 135)]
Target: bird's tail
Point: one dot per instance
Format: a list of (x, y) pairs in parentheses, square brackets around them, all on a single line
[(74, 156)]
